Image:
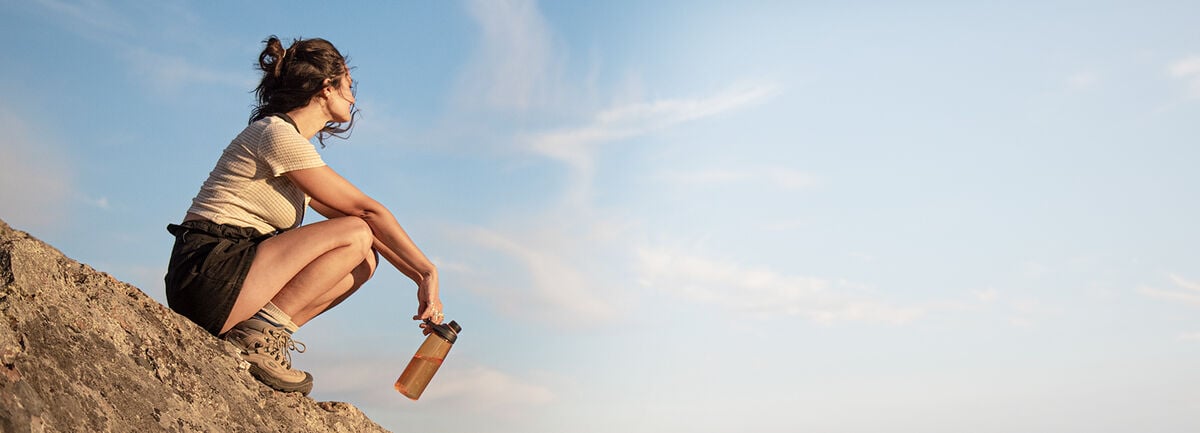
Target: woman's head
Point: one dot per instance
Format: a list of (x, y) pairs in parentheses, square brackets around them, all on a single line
[(292, 77)]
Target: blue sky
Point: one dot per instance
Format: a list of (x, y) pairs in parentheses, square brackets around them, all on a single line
[(686, 216)]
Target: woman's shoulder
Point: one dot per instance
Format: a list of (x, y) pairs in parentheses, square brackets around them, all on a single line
[(268, 128), (269, 122), (280, 126)]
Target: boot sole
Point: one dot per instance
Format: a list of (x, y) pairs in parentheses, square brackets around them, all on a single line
[(303, 387)]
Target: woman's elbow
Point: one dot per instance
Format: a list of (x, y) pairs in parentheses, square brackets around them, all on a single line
[(371, 211)]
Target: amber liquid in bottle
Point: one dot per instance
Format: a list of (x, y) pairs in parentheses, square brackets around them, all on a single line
[(424, 364)]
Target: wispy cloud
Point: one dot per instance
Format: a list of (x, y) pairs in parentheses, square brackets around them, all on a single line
[(36, 183), (762, 291), (640, 118), (1187, 70), (514, 65), (518, 66), (490, 391), (113, 29), (90, 18), (1185, 292), (475, 388), (1186, 284), (576, 145), (169, 73), (557, 290), (1190, 293)]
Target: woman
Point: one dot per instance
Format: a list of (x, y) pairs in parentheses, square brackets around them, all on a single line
[(243, 267)]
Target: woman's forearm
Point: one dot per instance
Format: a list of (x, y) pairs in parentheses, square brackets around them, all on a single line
[(414, 265), (396, 246), (396, 261)]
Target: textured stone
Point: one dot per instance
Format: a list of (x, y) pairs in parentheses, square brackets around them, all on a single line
[(81, 351)]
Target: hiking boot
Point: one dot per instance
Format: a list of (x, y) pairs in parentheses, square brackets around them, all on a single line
[(268, 350)]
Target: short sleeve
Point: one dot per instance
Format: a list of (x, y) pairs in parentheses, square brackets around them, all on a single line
[(283, 149)]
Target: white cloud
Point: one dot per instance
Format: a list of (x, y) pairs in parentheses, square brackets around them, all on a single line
[(1185, 292), (490, 391), (1189, 295), (89, 18), (35, 181), (366, 381), (1188, 71), (518, 67), (761, 291), (1186, 284), (1186, 67), (557, 289), (167, 73), (640, 118), (99, 22), (514, 66), (576, 145)]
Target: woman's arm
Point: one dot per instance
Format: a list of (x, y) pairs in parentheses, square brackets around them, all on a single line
[(334, 196), (387, 253)]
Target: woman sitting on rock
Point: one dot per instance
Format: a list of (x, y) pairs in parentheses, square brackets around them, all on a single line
[(243, 267)]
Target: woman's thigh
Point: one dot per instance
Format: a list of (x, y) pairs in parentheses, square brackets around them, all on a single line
[(282, 257)]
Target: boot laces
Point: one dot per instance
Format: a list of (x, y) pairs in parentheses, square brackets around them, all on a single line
[(281, 346)]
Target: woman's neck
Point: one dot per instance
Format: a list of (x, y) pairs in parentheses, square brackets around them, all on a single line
[(310, 119)]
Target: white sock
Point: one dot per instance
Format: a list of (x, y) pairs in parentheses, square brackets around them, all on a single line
[(273, 315)]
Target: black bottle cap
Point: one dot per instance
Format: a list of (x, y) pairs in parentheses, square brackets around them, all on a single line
[(448, 331)]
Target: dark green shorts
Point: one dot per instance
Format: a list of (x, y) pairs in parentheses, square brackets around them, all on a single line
[(208, 265)]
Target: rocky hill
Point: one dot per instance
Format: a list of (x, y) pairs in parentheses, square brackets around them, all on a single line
[(83, 352)]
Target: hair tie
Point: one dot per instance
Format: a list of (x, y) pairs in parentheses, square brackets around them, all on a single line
[(279, 63)]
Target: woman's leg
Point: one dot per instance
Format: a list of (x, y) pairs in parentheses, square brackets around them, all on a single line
[(338, 293), (303, 269)]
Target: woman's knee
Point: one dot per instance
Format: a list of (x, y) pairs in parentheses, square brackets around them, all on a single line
[(358, 233)]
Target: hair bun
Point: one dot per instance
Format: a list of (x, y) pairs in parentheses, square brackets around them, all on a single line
[(271, 59)]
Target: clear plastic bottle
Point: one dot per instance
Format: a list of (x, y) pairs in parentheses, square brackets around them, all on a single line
[(427, 360)]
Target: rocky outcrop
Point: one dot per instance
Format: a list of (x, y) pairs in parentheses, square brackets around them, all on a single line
[(83, 352)]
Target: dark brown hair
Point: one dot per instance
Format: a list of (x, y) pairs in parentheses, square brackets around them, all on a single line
[(293, 76)]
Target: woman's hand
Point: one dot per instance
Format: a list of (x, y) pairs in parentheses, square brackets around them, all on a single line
[(429, 307)]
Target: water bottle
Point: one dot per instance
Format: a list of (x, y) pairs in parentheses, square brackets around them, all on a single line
[(428, 358)]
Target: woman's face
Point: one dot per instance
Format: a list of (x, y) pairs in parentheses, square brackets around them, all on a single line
[(342, 100)]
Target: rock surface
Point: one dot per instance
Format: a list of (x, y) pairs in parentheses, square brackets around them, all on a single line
[(83, 352)]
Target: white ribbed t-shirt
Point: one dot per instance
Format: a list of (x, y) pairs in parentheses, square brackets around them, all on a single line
[(247, 187)]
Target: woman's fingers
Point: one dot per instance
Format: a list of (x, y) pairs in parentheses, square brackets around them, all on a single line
[(431, 312)]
